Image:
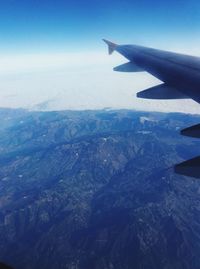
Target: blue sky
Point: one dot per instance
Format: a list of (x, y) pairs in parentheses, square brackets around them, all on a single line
[(52, 56), (56, 25)]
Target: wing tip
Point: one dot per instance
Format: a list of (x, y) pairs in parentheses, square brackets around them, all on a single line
[(111, 46)]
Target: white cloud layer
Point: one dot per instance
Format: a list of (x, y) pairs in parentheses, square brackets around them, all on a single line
[(77, 81)]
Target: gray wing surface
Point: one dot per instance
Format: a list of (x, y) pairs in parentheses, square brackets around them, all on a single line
[(176, 58), (178, 71)]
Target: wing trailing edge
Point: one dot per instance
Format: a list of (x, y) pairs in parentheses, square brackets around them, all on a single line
[(128, 67), (161, 91)]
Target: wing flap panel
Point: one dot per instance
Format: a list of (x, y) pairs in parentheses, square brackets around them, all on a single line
[(128, 67), (193, 131), (189, 168), (161, 91)]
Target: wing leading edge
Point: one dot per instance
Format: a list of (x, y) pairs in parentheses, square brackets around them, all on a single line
[(180, 75)]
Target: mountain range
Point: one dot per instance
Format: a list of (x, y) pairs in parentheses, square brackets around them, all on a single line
[(97, 190)]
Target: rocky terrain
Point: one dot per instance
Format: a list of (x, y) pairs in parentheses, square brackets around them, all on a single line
[(96, 190)]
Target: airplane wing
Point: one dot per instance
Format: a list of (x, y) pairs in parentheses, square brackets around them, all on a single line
[(180, 76)]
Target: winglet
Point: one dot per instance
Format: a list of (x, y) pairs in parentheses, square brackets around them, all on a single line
[(111, 46)]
